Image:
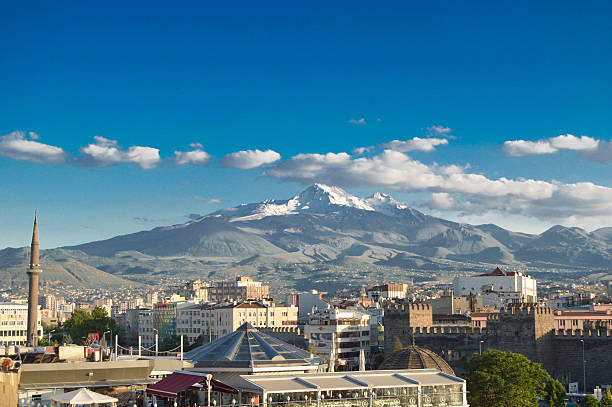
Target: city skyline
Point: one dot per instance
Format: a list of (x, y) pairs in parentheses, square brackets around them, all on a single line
[(133, 117)]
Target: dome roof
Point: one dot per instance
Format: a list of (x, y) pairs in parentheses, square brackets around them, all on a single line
[(414, 357)]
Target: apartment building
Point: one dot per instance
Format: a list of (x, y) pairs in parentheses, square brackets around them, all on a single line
[(347, 331), (14, 323), (242, 288), (215, 321), (515, 287)]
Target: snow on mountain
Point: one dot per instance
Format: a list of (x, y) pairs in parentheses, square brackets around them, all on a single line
[(319, 198)]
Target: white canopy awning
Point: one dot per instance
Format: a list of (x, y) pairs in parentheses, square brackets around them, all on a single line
[(83, 396)]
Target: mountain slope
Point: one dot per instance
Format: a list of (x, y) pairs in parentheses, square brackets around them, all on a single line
[(327, 224), (57, 266), (324, 226), (205, 237)]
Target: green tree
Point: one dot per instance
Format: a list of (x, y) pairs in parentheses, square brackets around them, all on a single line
[(591, 401), (171, 343), (505, 379), (82, 323), (554, 393), (397, 345), (606, 400)]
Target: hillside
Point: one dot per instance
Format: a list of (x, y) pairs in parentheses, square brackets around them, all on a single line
[(322, 227)]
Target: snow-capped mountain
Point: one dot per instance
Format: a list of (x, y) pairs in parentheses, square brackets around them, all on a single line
[(322, 199), (325, 224)]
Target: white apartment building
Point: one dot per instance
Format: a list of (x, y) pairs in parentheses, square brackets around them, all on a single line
[(145, 327), (388, 291), (348, 331), (516, 287), (14, 323), (215, 321), (308, 302)]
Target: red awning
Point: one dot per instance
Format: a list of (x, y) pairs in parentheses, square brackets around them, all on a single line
[(180, 381)]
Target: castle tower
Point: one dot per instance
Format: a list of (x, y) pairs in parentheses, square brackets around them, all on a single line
[(33, 274)]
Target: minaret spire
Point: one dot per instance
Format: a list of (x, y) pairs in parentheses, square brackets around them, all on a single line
[(33, 274), (35, 248)]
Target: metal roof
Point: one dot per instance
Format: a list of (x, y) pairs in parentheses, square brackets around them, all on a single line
[(344, 380), (248, 348)]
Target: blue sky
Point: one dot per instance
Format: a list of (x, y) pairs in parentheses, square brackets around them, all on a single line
[(97, 100)]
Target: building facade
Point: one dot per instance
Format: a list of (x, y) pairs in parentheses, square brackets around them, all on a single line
[(242, 288), (14, 324), (213, 321), (527, 330), (515, 286), (346, 331), (388, 291)]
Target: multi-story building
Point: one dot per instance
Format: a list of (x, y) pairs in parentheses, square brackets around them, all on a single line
[(449, 304), (152, 298), (347, 331), (308, 302), (145, 326), (516, 287), (48, 301), (242, 288), (14, 323), (214, 321), (388, 291), (196, 289), (161, 319)]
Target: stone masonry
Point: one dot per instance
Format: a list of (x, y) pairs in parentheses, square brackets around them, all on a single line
[(525, 330)]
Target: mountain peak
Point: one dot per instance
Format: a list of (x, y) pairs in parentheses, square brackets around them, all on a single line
[(320, 199), (320, 196)]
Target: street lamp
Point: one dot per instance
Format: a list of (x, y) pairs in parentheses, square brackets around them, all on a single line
[(583, 367), (480, 347), (104, 334), (156, 339)]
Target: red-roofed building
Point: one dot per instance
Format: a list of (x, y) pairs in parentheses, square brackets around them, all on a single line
[(511, 287)]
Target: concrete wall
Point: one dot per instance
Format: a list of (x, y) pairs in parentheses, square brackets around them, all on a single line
[(9, 382)]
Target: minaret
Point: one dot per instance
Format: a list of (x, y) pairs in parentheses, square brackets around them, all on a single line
[(33, 273)]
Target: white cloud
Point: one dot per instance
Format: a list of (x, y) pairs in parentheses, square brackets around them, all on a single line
[(441, 200), (588, 147), (518, 148), (362, 150), (106, 153), (570, 142), (439, 131), (249, 159), (414, 144), (206, 200), (453, 187), (603, 152), (358, 121), (19, 147), (194, 157)]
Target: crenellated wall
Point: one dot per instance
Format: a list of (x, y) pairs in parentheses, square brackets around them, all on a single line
[(525, 330)]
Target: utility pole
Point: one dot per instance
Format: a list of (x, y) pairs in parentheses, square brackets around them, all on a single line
[(583, 368)]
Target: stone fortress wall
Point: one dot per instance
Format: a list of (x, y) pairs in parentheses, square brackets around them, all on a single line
[(526, 330)]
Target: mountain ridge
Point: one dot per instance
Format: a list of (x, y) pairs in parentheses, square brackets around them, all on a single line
[(325, 225)]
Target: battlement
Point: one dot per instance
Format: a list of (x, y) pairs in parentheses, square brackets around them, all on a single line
[(447, 330), (583, 333), (524, 311), (407, 307)]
